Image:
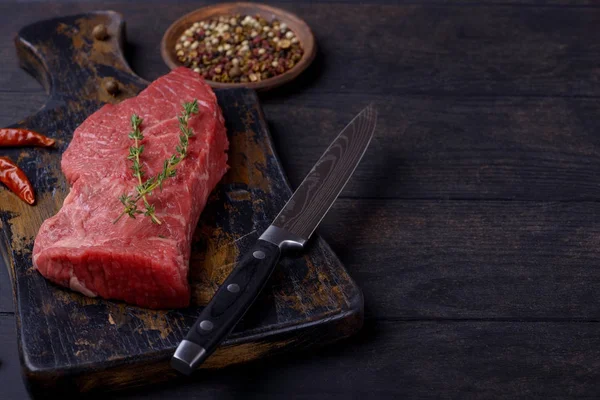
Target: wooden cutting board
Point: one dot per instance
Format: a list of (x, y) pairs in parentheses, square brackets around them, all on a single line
[(71, 342)]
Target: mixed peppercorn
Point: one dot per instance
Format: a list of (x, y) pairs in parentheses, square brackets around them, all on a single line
[(239, 48)]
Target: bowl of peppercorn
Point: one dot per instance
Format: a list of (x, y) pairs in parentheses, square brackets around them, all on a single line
[(240, 45)]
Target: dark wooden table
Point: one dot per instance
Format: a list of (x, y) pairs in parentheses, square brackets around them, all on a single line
[(473, 224)]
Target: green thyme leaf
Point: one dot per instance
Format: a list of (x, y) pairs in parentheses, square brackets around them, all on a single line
[(145, 188)]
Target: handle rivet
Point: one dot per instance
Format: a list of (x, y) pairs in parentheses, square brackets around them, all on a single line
[(233, 288), (100, 32), (258, 254), (206, 325)]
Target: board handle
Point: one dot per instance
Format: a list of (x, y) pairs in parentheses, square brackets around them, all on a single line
[(72, 63)]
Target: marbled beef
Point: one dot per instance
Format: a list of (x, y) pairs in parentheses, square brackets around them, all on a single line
[(134, 260)]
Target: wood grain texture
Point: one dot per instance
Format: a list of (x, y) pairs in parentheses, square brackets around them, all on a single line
[(441, 50), (470, 259), (450, 145), (428, 359), (511, 148), (73, 343), (411, 49), (541, 149), (488, 260), (414, 359)]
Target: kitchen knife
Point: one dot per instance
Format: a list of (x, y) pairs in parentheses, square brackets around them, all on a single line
[(289, 232)]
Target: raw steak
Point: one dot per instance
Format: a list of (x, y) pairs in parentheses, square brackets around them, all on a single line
[(134, 260)]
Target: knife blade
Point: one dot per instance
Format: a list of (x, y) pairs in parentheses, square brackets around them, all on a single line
[(289, 231)]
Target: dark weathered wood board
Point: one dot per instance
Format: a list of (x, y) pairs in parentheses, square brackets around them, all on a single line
[(70, 342)]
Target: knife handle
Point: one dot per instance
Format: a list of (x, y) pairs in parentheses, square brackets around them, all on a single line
[(228, 305)]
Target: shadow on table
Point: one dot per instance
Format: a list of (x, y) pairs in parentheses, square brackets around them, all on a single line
[(307, 79), (260, 378)]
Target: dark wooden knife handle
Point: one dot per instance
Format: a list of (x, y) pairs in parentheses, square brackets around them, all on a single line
[(227, 306)]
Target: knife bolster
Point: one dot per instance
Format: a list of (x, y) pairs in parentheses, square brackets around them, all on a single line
[(286, 241)]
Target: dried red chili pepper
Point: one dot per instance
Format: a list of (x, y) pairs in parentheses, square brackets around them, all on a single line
[(16, 180), (11, 137)]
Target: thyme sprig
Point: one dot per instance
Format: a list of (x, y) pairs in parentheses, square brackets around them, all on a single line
[(145, 188)]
